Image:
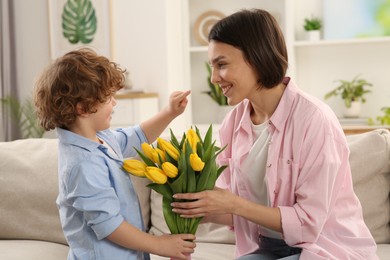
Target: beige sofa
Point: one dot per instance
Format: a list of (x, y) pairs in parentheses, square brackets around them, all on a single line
[(30, 227)]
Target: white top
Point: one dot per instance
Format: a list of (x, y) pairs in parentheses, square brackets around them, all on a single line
[(255, 166)]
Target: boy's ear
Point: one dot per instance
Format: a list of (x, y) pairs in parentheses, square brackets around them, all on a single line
[(80, 110)]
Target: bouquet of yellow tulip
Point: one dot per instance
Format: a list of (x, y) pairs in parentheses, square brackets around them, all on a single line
[(178, 167)]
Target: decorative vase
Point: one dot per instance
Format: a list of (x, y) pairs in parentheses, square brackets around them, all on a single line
[(313, 35), (354, 110)]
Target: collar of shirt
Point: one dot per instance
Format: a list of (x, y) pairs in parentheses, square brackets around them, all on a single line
[(278, 118), (68, 137)]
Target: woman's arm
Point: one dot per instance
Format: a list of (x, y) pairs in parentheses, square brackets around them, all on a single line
[(154, 126), (217, 204)]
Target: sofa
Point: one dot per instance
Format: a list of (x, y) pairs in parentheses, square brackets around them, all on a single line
[(29, 220)]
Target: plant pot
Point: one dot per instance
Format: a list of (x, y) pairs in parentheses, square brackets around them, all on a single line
[(353, 111), (313, 35)]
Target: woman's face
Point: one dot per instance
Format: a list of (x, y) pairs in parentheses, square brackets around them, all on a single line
[(231, 72)]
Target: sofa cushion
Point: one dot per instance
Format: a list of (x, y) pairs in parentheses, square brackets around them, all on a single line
[(208, 232), (143, 193), (32, 250), (370, 165), (29, 188)]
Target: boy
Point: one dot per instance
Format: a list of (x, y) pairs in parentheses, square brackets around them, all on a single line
[(98, 206)]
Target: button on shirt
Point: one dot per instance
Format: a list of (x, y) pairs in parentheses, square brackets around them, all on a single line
[(308, 178), (95, 194)]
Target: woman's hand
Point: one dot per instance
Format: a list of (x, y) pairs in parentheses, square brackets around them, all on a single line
[(204, 203)]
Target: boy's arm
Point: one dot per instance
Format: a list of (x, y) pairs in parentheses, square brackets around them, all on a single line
[(130, 237), (154, 126)]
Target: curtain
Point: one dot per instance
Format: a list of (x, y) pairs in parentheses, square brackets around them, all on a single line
[(8, 81)]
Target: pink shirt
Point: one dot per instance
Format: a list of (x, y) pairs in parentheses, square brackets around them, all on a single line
[(308, 176)]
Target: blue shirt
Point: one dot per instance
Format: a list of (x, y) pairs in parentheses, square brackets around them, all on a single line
[(95, 194)]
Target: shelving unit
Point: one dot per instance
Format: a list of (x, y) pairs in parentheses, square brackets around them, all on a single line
[(314, 66), (133, 108)]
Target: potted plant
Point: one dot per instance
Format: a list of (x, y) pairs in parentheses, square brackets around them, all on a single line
[(216, 94), (312, 27), (384, 119), (352, 92), (23, 114)]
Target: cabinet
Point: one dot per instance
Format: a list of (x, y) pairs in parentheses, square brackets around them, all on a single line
[(314, 66), (133, 108)]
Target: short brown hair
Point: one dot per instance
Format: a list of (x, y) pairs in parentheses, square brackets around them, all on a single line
[(79, 77), (257, 34)]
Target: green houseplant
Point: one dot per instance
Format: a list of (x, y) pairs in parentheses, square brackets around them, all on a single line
[(312, 27), (384, 119), (23, 114), (352, 92), (215, 92), (312, 24)]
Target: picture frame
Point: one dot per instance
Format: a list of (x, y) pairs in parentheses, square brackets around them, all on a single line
[(95, 28)]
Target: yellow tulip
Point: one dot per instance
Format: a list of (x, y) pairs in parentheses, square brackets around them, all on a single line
[(193, 139), (169, 148), (170, 170), (135, 167), (156, 154), (156, 175), (148, 150), (196, 163)]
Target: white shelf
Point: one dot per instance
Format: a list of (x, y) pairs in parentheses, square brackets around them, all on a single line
[(343, 42)]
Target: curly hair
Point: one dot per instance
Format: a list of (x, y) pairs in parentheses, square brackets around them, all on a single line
[(80, 77), (257, 34)]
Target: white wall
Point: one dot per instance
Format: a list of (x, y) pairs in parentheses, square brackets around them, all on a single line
[(141, 42), (146, 37), (32, 42)]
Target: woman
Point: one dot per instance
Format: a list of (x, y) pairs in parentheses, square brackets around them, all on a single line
[(288, 185)]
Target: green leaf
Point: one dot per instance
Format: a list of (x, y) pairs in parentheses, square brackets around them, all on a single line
[(212, 177), (163, 189), (204, 176), (208, 137), (148, 161), (183, 139), (177, 184), (23, 114), (170, 216), (79, 22), (191, 179), (208, 154), (194, 223), (221, 169), (174, 140)]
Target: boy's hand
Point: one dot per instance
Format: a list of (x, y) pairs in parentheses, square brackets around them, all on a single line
[(176, 246), (178, 102)]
